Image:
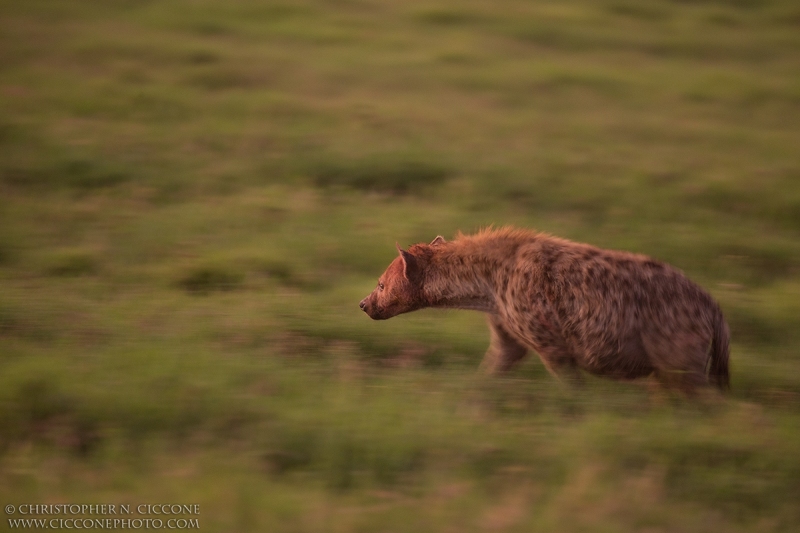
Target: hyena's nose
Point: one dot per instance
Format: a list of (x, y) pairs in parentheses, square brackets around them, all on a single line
[(363, 304)]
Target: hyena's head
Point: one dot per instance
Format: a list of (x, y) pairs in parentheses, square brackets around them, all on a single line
[(399, 289)]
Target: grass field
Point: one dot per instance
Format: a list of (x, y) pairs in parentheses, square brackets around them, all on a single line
[(195, 195)]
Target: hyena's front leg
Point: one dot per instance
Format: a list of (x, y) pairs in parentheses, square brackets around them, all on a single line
[(503, 350)]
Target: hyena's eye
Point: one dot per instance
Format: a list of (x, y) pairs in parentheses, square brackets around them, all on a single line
[(380, 285)]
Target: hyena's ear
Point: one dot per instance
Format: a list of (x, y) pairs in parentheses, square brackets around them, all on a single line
[(438, 240), (412, 269)]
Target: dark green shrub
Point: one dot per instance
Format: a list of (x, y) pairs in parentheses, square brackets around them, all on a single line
[(387, 174), (202, 280)]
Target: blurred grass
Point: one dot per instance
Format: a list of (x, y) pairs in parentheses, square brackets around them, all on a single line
[(194, 195)]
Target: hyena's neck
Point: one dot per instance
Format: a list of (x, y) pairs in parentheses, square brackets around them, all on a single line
[(461, 279)]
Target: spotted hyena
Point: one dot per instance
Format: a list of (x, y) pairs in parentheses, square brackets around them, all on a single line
[(610, 313)]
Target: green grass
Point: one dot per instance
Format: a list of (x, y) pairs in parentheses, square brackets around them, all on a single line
[(194, 196)]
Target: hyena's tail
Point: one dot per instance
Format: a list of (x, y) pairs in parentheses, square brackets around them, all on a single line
[(720, 352)]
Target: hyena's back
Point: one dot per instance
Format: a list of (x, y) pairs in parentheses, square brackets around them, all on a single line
[(614, 313)]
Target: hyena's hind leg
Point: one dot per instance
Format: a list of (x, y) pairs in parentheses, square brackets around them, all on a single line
[(560, 362), (680, 362), (504, 352)]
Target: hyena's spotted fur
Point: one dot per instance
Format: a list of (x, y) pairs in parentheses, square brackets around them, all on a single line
[(579, 307)]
